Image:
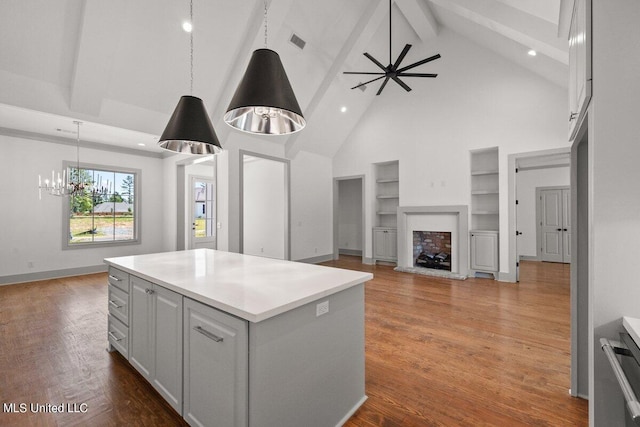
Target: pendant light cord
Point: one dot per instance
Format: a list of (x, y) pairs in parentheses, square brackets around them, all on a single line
[(265, 24), (78, 148), (390, 33), (191, 43)]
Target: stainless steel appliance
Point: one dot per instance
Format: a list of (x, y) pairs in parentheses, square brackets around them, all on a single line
[(627, 372)]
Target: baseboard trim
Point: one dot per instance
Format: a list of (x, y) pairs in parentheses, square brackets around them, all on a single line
[(51, 274), (352, 411), (316, 259), (368, 261), (529, 258), (354, 252)]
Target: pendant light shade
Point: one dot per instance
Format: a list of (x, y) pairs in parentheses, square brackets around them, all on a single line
[(264, 102), (189, 130)]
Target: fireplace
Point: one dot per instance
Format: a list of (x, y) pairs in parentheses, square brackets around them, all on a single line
[(453, 220), (432, 249)]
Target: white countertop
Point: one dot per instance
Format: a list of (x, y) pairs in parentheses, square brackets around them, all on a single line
[(632, 325), (250, 287)]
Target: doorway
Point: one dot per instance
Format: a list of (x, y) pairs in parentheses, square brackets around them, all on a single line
[(553, 208), (264, 206), (349, 216), (202, 212)]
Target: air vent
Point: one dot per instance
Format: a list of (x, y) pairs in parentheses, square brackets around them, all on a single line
[(297, 41)]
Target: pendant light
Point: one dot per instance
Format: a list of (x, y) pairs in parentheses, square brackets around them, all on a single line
[(189, 129), (264, 102), (65, 185)]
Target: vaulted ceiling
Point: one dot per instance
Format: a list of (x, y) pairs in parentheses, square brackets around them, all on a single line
[(121, 65)]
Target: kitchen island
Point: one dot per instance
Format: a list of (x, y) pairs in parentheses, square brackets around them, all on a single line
[(237, 340)]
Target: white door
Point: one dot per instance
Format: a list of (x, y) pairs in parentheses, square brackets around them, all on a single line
[(202, 213), (555, 231)]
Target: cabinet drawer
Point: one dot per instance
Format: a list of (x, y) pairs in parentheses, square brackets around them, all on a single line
[(118, 335), (119, 304), (119, 279)]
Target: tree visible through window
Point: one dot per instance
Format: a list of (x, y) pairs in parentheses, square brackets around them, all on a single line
[(105, 210)]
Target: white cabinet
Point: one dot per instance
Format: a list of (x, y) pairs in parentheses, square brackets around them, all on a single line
[(484, 251), (118, 305), (156, 338), (385, 244), (215, 367), (579, 64)]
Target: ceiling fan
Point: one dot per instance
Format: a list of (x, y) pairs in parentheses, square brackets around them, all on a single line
[(392, 71)]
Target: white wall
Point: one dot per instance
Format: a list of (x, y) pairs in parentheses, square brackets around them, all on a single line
[(264, 207), (527, 182), (350, 214), (311, 206), (478, 100), (32, 229), (614, 131)]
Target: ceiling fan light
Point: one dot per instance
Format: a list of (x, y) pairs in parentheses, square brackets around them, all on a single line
[(264, 102), (189, 130)]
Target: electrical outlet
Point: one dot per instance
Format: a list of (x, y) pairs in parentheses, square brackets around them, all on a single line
[(29, 264), (322, 308)]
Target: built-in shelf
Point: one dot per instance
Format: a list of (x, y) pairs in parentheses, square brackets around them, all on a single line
[(484, 213), (484, 172), (387, 179), (483, 192), (485, 209)]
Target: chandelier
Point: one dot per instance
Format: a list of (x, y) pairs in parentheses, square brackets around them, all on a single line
[(64, 185)]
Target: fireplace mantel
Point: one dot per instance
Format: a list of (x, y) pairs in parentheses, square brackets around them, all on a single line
[(405, 238)]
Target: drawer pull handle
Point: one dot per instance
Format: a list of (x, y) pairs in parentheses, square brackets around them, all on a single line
[(117, 279), (208, 334), (114, 305), (112, 335)]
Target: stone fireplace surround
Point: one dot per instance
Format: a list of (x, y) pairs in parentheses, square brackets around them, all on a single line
[(460, 243)]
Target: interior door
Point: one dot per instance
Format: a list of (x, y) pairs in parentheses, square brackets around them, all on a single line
[(555, 225), (203, 213), (566, 225)]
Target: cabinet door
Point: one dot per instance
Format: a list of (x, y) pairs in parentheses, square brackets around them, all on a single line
[(484, 251), (378, 244), (391, 244), (140, 327), (168, 345), (579, 64), (215, 367)]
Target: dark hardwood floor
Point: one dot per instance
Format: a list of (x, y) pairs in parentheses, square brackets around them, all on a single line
[(438, 352)]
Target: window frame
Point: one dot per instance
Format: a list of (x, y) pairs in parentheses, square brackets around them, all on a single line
[(66, 211)]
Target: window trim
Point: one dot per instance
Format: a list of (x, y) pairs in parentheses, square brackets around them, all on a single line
[(66, 245)]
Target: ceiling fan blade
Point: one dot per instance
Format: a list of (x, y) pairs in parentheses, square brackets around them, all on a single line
[(416, 75), (402, 55), (363, 72), (415, 64), (401, 83), (365, 83), (384, 83), (375, 61)]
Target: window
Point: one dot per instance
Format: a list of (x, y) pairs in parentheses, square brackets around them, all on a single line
[(106, 211)]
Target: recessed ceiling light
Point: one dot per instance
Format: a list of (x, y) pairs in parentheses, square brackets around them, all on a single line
[(186, 25), (532, 52), (141, 144), (343, 109)]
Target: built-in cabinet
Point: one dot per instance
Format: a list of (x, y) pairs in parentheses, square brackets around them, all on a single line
[(579, 64), (156, 338), (387, 190), (485, 213), (385, 244), (215, 366), (484, 250)]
